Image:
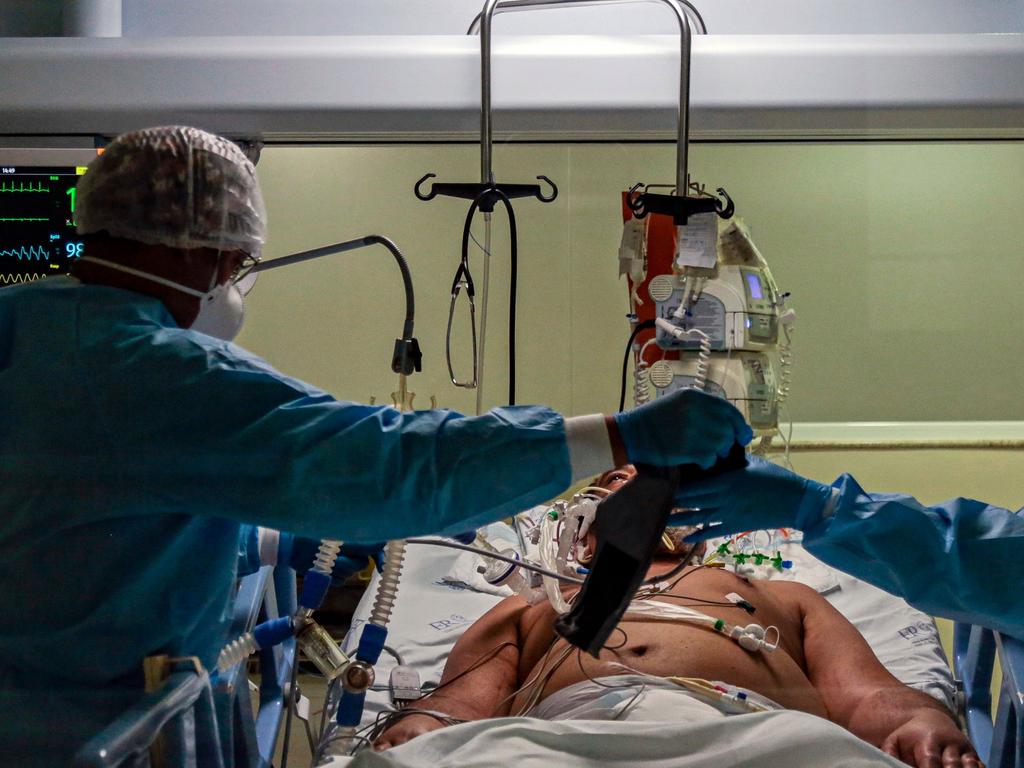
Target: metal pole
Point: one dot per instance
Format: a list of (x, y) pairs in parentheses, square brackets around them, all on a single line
[(483, 314), (484, 24), (486, 128), (92, 18), (519, 5)]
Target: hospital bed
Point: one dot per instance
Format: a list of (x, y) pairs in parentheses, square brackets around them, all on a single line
[(999, 740), (184, 713), (435, 606)]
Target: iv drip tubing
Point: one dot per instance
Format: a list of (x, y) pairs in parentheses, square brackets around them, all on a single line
[(496, 195), (484, 295), (495, 556)]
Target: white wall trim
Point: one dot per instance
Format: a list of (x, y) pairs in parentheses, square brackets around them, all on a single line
[(995, 434)]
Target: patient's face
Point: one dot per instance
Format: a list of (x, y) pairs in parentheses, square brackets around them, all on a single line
[(672, 544), (616, 478)]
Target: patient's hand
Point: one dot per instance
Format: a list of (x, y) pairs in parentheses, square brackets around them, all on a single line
[(408, 727), (931, 739)]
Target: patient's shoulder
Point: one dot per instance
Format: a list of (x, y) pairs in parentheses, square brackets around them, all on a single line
[(791, 590), (812, 606)]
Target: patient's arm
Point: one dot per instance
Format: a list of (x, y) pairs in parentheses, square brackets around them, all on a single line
[(861, 695), (471, 689)]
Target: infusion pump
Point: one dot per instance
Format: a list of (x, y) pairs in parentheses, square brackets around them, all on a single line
[(746, 379), (732, 336), (737, 308)]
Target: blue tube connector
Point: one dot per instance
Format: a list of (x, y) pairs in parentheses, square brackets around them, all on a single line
[(350, 709), (371, 643), (314, 588), (270, 633)]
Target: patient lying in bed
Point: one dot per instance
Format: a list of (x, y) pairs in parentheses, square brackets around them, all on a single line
[(511, 662)]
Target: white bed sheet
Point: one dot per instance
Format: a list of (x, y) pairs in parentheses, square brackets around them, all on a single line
[(430, 614), (791, 739)]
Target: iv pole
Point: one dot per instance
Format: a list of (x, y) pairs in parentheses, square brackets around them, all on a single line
[(483, 25), (678, 205)]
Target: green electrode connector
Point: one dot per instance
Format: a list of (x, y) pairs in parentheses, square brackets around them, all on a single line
[(759, 558)]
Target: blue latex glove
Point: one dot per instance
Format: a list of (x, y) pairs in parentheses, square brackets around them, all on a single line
[(685, 427), (300, 552), (761, 496)]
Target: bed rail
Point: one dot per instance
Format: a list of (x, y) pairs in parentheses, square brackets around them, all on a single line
[(999, 739), (205, 722)]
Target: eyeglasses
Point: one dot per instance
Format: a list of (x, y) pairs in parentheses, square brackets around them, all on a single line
[(245, 274)]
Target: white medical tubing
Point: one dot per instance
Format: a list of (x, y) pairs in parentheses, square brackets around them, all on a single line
[(655, 610), (236, 651), (549, 559), (703, 358), (642, 375), (387, 589), (524, 564), (785, 356), (641, 381), (752, 637), (323, 562), (680, 314)]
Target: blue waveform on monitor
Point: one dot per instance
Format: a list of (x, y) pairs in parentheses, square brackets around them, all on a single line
[(32, 252), (10, 279)]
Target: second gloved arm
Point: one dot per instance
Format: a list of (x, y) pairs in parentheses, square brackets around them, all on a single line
[(940, 558), (761, 496)]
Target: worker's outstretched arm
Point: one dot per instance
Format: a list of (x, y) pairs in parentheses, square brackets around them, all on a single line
[(962, 559), (940, 558), (479, 678), (226, 435), (860, 694)]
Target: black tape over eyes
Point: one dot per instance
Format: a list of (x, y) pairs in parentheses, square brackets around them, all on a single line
[(629, 525)]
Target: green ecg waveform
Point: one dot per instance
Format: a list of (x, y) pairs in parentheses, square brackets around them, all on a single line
[(23, 218), (38, 187)]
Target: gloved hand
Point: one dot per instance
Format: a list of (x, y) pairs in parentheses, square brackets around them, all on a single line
[(300, 552), (685, 427), (761, 496)]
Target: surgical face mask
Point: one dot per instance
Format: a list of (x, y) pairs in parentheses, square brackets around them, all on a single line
[(221, 307), (221, 312)]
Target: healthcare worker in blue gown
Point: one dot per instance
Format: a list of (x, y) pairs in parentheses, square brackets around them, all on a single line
[(136, 439), (961, 559)]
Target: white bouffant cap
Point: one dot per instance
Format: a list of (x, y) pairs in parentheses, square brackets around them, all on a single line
[(175, 186)]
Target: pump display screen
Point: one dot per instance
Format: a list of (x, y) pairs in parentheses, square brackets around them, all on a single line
[(754, 282), (37, 229)]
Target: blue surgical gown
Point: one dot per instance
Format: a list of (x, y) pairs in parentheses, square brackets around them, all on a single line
[(962, 559), (131, 450)]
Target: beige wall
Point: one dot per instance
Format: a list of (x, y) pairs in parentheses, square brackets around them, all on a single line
[(904, 261)]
